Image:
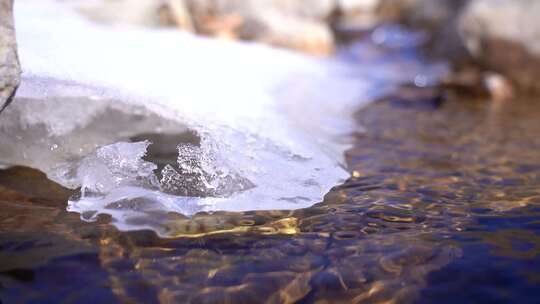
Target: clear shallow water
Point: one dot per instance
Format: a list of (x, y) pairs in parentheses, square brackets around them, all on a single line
[(442, 207)]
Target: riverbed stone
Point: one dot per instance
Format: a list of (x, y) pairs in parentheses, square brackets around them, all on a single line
[(9, 62), (504, 36)]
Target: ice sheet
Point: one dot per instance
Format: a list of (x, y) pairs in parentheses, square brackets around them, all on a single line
[(268, 127)]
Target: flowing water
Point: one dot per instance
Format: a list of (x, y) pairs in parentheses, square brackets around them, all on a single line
[(437, 200), (443, 206)]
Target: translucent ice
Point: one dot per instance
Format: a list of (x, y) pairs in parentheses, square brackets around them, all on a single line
[(115, 166)]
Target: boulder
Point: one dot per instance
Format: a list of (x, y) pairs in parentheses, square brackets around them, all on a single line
[(504, 36), (9, 63)]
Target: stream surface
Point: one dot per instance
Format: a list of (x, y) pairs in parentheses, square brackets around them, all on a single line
[(443, 206)]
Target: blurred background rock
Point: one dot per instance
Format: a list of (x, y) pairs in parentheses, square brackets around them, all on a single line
[(497, 36), (305, 25), (504, 36)]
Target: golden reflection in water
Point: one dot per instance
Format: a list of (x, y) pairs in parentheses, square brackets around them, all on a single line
[(198, 226)]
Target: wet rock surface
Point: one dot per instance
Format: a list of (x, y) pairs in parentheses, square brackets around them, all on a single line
[(442, 206)]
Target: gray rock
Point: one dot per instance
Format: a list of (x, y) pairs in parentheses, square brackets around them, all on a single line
[(504, 36), (9, 62)]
